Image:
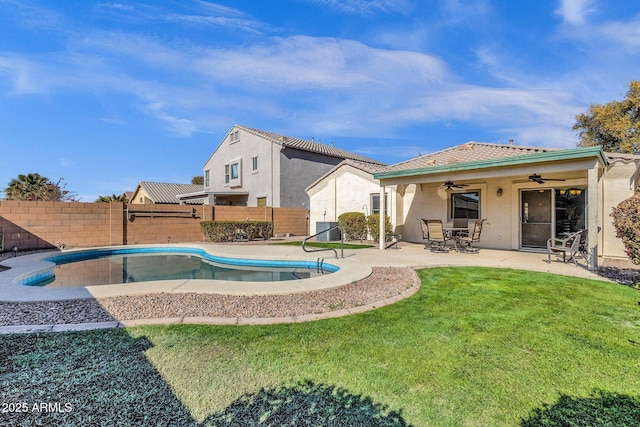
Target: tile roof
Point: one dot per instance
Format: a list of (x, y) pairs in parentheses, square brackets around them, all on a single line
[(164, 192), (370, 168), (468, 152), (310, 146)]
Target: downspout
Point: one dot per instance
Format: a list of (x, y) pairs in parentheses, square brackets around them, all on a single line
[(272, 168), (335, 199), (382, 218)]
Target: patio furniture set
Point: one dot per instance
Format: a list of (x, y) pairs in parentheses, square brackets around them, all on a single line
[(570, 246), (463, 239)]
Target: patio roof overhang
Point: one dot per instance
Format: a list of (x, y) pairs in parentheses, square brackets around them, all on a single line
[(191, 196), (574, 155), (229, 193)]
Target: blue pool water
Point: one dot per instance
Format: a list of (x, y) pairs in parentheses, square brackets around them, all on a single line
[(129, 265)]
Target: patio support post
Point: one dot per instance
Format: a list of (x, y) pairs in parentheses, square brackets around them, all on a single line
[(383, 232), (593, 198)]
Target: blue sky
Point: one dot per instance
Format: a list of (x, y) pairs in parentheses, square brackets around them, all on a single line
[(106, 94)]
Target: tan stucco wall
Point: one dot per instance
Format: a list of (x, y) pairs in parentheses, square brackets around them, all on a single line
[(618, 184), (140, 197)]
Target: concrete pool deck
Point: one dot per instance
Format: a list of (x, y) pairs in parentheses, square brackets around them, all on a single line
[(355, 266)]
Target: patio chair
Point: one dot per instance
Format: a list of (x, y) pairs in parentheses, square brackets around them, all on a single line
[(465, 240), (460, 223), (423, 228), (436, 237), (569, 245), (584, 246)]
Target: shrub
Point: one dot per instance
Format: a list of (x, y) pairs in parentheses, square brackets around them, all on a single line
[(373, 222), (225, 231), (353, 225), (626, 220)]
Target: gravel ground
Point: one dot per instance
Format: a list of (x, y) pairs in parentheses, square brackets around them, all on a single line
[(383, 283), (622, 271)]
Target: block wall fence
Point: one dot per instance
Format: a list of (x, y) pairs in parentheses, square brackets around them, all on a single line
[(40, 225)]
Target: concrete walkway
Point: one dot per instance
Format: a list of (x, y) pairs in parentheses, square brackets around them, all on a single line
[(416, 256)]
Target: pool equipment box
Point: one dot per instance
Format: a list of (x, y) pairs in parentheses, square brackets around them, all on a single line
[(329, 235)]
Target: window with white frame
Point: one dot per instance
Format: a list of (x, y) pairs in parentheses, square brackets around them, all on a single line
[(375, 203), (233, 173), (465, 205), (254, 164), (206, 179)]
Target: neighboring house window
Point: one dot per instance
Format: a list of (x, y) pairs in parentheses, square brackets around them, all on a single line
[(375, 203), (262, 201), (465, 205), (206, 179), (233, 173), (234, 137), (254, 164)]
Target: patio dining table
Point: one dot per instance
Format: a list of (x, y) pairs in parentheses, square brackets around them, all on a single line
[(452, 232)]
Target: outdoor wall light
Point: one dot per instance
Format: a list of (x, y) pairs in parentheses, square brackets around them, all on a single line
[(499, 192)]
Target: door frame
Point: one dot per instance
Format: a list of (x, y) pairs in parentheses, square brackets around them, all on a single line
[(521, 222)]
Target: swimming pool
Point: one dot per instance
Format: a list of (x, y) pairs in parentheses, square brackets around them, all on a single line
[(129, 265)]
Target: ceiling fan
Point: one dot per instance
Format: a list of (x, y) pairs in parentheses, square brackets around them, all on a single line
[(540, 180), (450, 185)]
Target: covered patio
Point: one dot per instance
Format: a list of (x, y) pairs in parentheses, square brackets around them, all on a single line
[(526, 195)]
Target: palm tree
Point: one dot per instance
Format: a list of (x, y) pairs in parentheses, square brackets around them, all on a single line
[(32, 186), (112, 198)]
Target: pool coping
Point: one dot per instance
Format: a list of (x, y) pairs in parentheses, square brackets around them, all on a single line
[(12, 291)]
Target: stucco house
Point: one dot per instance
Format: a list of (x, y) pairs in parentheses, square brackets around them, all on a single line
[(526, 194), (349, 187), (253, 167), (165, 193)]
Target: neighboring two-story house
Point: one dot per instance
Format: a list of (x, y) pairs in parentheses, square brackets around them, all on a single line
[(252, 167)]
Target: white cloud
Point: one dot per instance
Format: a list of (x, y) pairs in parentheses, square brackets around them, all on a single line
[(302, 62), (365, 7), (575, 11), (177, 126), (627, 33), (244, 23)]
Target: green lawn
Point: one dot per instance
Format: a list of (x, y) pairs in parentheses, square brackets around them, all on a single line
[(474, 347)]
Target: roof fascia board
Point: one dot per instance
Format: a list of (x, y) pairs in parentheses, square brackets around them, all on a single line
[(547, 156)]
